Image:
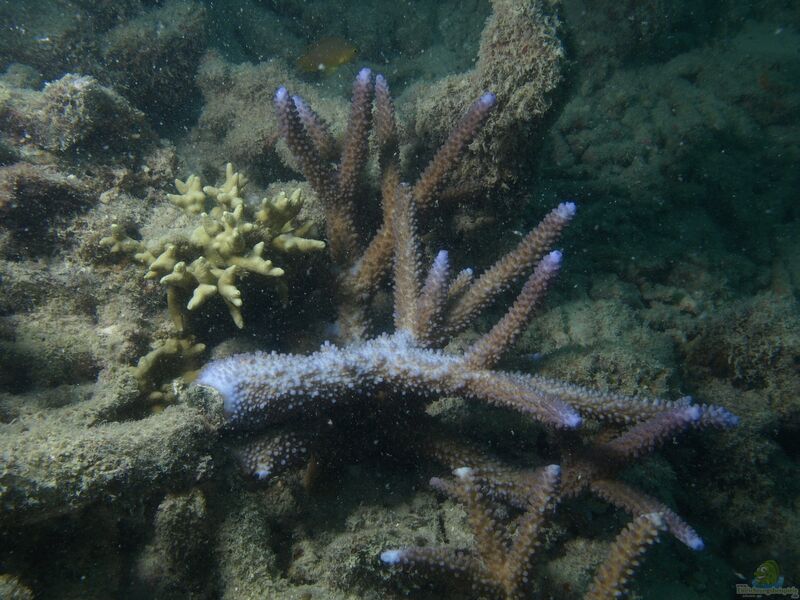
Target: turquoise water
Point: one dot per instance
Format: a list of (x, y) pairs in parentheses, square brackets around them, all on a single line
[(673, 128)]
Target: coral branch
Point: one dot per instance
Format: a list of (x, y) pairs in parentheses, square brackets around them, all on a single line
[(638, 504), (373, 263), (354, 151), (431, 303), (317, 130), (424, 560), (432, 178), (406, 261), (645, 436), (512, 265), (541, 500), (316, 170), (599, 404), (487, 350), (624, 557), (385, 125), (460, 284), (509, 390), (489, 537)]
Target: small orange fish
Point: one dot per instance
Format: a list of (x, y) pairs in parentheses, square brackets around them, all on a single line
[(326, 55)]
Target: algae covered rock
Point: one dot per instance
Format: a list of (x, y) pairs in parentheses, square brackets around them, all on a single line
[(29, 195), (64, 459), (152, 59), (77, 113), (520, 59), (177, 558)]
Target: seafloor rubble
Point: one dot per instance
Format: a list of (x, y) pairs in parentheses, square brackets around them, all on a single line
[(115, 479)]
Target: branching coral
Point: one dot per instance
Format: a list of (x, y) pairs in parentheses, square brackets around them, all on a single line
[(227, 245), (388, 380), (521, 58), (501, 564), (170, 353), (592, 466)]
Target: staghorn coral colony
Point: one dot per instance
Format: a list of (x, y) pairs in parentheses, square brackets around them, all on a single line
[(393, 377), (231, 383)]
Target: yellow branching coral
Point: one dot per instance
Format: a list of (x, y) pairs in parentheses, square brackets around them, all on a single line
[(227, 195), (278, 215), (228, 244), (119, 242), (167, 357), (191, 197)]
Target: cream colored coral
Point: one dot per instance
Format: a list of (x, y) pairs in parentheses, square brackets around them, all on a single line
[(227, 245), (228, 195), (191, 197), (166, 356), (119, 242), (223, 241), (278, 215), (161, 264), (204, 281), (226, 238)]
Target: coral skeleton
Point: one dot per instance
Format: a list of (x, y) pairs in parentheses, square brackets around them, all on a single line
[(390, 378)]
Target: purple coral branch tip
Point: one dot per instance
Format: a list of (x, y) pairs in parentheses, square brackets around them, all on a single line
[(299, 103), (553, 260), (489, 99), (728, 419), (695, 542), (463, 472), (364, 75), (716, 416), (391, 557), (572, 420), (566, 210), (282, 95), (442, 258)]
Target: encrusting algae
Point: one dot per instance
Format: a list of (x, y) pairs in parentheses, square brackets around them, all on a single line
[(227, 245)]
